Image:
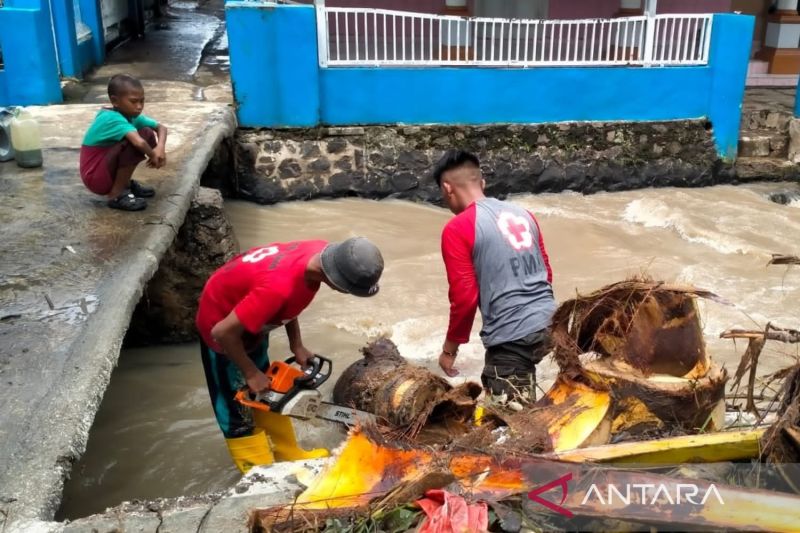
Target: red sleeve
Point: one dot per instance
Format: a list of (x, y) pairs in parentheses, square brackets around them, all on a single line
[(458, 240), (258, 308), (542, 250)]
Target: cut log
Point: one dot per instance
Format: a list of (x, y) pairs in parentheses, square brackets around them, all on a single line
[(671, 402), (402, 395), (641, 342), (652, 326)]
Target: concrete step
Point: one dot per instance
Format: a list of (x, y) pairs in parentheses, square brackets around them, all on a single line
[(769, 168), (771, 80), (766, 120), (763, 143), (757, 66)]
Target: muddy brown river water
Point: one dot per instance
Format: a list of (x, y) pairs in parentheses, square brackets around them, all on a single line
[(155, 435)]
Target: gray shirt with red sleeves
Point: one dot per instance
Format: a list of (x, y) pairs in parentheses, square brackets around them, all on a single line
[(495, 258)]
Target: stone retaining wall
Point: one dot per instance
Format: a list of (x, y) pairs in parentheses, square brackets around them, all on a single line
[(167, 310), (278, 165)]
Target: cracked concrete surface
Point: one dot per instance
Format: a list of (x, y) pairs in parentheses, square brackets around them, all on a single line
[(71, 272), (262, 487)]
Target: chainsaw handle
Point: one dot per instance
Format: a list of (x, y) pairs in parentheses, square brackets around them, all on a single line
[(320, 371), (243, 396)]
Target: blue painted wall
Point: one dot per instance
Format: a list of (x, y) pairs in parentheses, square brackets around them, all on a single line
[(797, 99), (93, 17), (33, 61), (731, 37), (76, 58), (275, 73), (30, 66), (86, 55), (481, 96), (277, 82), (3, 90), (64, 25)]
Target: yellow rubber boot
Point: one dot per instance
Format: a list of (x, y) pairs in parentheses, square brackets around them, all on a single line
[(250, 451), (281, 433)]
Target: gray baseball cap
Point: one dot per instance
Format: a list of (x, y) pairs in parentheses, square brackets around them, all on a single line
[(353, 266)]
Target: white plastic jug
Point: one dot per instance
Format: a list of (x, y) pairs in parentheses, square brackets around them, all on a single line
[(26, 139)]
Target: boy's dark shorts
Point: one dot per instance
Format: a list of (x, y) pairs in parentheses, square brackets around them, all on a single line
[(99, 164), (510, 367)]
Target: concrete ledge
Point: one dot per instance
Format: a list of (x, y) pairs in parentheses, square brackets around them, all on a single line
[(71, 272), (229, 511)]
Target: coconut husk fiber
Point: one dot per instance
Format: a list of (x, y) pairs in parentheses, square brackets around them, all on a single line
[(652, 326), (401, 395)]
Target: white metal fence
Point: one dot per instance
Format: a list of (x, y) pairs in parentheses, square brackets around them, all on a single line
[(375, 37)]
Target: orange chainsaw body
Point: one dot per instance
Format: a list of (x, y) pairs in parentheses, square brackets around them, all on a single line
[(286, 380), (283, 376)]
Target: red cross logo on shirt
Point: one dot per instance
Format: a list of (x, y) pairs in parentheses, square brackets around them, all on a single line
[(516, 229)]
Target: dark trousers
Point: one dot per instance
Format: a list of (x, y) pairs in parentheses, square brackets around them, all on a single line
[(510, 367), (224, 379)]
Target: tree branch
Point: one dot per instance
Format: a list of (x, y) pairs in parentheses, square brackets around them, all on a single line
[(772, 333), (779, 259)]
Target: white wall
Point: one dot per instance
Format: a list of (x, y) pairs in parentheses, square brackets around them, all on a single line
[(113, 12)]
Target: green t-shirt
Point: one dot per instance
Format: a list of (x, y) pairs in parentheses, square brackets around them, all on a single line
[(110, 126)]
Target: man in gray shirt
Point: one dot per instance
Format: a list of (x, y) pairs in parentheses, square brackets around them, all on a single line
[(495, 259)]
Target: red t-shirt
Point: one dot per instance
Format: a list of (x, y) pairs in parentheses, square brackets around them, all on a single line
[(265, 286)]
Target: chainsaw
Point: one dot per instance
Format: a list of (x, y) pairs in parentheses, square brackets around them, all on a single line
[(295, 392)]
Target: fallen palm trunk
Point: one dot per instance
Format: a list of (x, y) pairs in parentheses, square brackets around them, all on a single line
[(365, 470), (660, 402), (633, 365), (708, 447), (644, 342), (570, 414), (402, 395)]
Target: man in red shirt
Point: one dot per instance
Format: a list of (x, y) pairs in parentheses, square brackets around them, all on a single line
[(260, 290), (495, 259)]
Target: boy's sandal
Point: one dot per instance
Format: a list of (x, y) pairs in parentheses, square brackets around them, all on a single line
[(127, 202), (141, 191)]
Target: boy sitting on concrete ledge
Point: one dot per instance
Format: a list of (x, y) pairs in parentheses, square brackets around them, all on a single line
[(117, 141)]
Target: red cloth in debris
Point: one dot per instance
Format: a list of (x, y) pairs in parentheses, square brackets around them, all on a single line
[(448, 513)]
